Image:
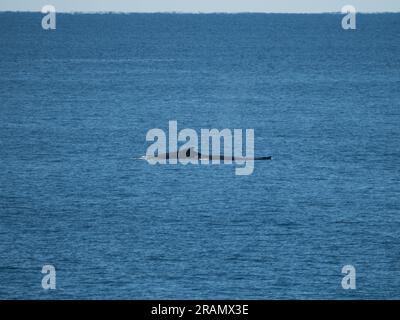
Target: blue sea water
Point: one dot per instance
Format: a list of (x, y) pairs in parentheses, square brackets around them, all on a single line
[(76, 104)]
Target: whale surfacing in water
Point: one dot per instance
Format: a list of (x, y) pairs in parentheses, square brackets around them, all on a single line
[(191, 153)]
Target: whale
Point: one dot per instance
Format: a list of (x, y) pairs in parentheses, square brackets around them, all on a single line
[(191, 153)]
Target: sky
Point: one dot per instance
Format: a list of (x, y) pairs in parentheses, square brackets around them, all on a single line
[(279, 6)]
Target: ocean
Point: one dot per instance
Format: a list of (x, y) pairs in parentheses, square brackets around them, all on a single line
[(76, 104)]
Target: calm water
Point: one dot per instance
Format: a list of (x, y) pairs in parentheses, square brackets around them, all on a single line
[(76, 104)]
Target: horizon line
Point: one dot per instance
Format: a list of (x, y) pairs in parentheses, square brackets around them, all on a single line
[(197, 12)]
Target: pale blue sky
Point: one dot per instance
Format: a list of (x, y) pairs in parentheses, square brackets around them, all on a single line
[(202, 5)]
